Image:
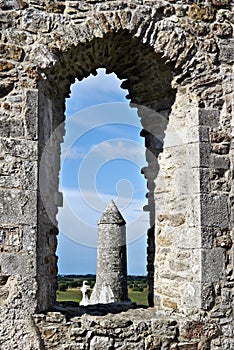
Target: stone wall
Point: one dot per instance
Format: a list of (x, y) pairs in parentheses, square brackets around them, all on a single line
[(134, 329), (177, 61)]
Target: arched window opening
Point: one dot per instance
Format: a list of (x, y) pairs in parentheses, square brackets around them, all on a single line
[(147, 78), (101, 159)]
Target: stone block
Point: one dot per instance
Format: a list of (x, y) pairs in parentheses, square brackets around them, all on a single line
[(18, 207), (207, 237), (31, 114), (186, 180), (191, 294), (207, 296), (6, 86), (192, 210), (209, 118), (6, 66), (55, 7), (36, 22), (184, 237), (29, 175), (11, 126), (152, 342), (213, 264), (205, 13), (29, 238), (100, 343), (11, 52), (221, 3), (220, 162), (168, 303), (193, 181), (11, 239), (204, 154), (187, 346), (222, 30), (16, 264), (192, 134), (23, 149), (198, 155), (198, 329), (13, 5), (228, 331), (226, 53), (18, 174), (214, 211), (204, 180)]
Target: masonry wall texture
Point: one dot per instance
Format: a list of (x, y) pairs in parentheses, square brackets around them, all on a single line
[(177, 61)]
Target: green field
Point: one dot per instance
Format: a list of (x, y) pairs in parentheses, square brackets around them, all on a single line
[(71, 294), (74, 294), (69, 288)]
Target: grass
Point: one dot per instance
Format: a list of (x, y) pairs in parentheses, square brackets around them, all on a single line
[(71, 294), (141, 298), (74, 294)]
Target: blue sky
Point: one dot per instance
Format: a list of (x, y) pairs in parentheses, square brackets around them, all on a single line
[(101, 158)]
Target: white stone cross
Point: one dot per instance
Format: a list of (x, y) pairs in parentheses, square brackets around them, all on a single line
[(85, 297)]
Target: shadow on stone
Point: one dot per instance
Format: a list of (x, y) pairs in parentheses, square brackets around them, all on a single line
[(72, 308)]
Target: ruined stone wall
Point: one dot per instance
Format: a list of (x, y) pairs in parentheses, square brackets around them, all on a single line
[(177, 61), (134, 329)]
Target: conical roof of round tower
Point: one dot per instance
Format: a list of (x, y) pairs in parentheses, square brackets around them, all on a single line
[(112, 215)]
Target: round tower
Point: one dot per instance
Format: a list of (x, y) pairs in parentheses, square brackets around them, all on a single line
[(111, 274)]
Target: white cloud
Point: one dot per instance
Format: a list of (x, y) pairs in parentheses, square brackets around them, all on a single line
[(106, 151), (80, 213), (124, 148), (71, 153)]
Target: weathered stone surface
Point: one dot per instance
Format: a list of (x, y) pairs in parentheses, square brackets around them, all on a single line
[(56, 7), (176, 61), (111, 275), (34, 21), (99, 343), (221, 2), (109, 332), (205, 13), (11, 52), (209, 118), (222, 29), (5, 66), (213, 265), (198, 329), (226, 51), (30, 114), (21, 149), (13, 4), (214, 211), (18, 207), (11, 239)]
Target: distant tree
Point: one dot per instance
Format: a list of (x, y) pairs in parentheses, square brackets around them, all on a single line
[(73, 284), (137, 288), (79, 283), (62, 287), (91, 284)]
